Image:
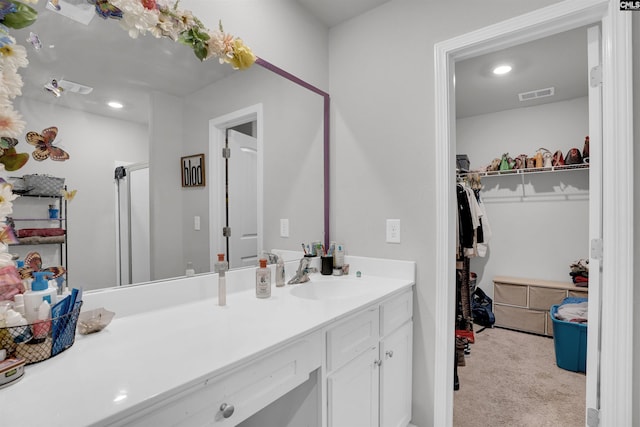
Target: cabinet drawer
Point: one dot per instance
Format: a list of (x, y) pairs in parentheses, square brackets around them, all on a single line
[(395, 312), (544, 298), (248, 388), (520, 318), (510, 294), (353, 336)]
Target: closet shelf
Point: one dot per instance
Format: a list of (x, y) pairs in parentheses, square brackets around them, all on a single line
[(553, 169)]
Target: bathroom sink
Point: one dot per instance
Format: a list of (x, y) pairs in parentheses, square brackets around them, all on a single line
[(331, 289)]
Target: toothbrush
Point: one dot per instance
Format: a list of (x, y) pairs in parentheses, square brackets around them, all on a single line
[(304, 249)]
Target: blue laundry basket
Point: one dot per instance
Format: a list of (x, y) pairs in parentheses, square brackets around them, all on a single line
[(570, 342)]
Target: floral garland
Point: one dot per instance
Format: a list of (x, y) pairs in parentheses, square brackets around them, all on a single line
[(160, 18)]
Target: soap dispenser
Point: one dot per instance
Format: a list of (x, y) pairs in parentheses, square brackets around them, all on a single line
[(40, 291)]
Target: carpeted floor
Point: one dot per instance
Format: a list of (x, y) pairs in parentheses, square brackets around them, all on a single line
[(511, 379)]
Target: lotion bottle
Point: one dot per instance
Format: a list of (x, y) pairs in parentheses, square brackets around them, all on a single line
[(263, 280), (40, 291), (221, 267)]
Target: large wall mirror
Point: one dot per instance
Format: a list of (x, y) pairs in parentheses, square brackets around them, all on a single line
[(170, 100)]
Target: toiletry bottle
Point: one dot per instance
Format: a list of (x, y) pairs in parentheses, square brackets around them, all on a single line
[(263, 280), (18, 303), (221, 267), (40, 291), (338, 257), (189, 271), (280, 272), (42, 326)]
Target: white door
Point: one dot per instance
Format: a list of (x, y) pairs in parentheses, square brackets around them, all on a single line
[(242, 196), (595, 216), (133, 225)]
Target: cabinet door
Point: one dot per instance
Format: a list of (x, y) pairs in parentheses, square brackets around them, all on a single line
[(395, 377), (352, 392)]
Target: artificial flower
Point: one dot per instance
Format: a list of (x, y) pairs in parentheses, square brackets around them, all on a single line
[(6, 199), (149, 4), (220, 44), (11, 83), (5, 39), (13, 56), (242, 58), (11, 123), (136, 19)]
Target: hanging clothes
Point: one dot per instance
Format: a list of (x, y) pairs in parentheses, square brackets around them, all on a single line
[(473, 231)]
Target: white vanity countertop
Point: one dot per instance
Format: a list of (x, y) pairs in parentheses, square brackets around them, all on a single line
[(141, 358)]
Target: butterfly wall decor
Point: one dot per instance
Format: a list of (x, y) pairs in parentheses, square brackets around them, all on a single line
[(8, 236), (33, 263), (68, 195), (44, 145), (105, 10)]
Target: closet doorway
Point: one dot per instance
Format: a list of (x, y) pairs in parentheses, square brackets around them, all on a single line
[(611, 390), (536, 221)]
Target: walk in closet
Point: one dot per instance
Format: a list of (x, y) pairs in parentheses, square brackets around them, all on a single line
[(539, 217)]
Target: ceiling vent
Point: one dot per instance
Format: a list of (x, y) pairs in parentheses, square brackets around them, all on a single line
[(535, 94)]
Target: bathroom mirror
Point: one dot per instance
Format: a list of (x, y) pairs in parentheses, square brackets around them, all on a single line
[(170, 99)]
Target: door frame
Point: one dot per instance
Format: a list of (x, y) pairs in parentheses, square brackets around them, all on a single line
[(217, 136), (616, 346)]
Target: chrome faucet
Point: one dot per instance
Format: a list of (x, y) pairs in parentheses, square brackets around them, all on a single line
[(302, 275)]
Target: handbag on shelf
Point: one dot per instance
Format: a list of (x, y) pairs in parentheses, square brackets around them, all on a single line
[(573, 157), (43, 185), (558, 159)]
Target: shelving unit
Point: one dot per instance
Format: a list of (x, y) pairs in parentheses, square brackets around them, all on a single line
[(523, 172), (22, 220)]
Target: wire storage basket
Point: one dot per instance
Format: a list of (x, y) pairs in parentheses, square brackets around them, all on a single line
[(41, 340)]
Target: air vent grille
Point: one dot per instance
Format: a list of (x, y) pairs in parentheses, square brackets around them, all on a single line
[(535, 94)]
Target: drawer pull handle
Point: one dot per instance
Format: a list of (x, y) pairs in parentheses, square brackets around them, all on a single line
[(227, 410), (389, 353)]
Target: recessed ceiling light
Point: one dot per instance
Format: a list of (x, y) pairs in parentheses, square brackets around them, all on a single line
[(502, 69), (115, 105)]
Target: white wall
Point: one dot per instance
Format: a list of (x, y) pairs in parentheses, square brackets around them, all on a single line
[(94, 143), (381, 71), (540, 230)]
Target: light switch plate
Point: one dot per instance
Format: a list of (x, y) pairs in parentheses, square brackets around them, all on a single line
[(284, 227), (196, 222), (393, 231)]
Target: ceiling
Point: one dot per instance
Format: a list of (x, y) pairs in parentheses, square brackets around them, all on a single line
[(558, 61), (333, 12)]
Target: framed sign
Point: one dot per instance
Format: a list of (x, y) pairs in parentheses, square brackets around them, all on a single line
[(193, 170)]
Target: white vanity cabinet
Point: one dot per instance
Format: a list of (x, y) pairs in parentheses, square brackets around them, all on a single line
[(369, 366), (229, 399)]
